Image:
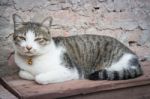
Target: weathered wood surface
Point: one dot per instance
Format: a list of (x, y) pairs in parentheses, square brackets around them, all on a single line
[(30, 90), (5, 94), (137, 92)]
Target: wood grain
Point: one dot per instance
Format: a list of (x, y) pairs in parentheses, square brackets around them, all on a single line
[(5, 94)]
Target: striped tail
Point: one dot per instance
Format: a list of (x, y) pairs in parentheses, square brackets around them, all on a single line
[(116, 75)]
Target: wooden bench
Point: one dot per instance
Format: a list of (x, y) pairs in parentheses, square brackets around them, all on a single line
[(138, 88), (5, 94)]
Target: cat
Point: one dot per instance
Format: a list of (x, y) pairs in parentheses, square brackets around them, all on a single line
[(46, 59)]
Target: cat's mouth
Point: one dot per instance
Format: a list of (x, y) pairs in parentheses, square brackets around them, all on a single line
[(29, 53)]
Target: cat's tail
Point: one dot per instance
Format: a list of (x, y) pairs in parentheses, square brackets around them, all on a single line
[(134, 70), (115, 75)]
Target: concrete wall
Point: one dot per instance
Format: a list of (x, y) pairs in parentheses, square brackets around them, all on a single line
[(126, 20)]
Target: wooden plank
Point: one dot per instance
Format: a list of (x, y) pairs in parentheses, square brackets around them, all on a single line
[(30, 90), (137, 92), (5, 94)]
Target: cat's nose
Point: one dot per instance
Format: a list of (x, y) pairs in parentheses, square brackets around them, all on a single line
[(28, 47)]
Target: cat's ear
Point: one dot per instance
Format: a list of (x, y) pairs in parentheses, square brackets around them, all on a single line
[(47, 22), (17, 21)]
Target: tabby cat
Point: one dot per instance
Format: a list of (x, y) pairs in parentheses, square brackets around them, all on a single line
[(51, 60)]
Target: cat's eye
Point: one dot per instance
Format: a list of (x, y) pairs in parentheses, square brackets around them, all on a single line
[(40, 39), (20, 38)]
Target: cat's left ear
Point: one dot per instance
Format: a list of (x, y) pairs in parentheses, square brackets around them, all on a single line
[(17, 21), (47, 22)]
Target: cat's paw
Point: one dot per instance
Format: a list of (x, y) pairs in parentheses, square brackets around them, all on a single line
[(42, 79), (26, 75)]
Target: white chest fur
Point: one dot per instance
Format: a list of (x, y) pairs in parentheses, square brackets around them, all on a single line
[(46, 68), (49, 61)]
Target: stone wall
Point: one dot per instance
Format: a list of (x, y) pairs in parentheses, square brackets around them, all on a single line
[(126, 20)]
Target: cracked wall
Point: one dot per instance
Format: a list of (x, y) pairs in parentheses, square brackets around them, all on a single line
[(126, 20)]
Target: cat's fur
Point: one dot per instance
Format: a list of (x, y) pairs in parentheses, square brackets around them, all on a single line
[(60, 59)]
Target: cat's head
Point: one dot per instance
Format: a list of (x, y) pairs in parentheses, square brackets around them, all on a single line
[(31, 38)]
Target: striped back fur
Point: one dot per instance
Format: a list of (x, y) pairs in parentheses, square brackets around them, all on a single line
[(94, 55)]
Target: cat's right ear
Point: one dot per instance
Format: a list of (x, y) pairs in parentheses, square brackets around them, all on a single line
[(47, 22), (17, 21)]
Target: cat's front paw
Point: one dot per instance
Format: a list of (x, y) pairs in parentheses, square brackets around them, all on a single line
[(41, 79), (26, 75)]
